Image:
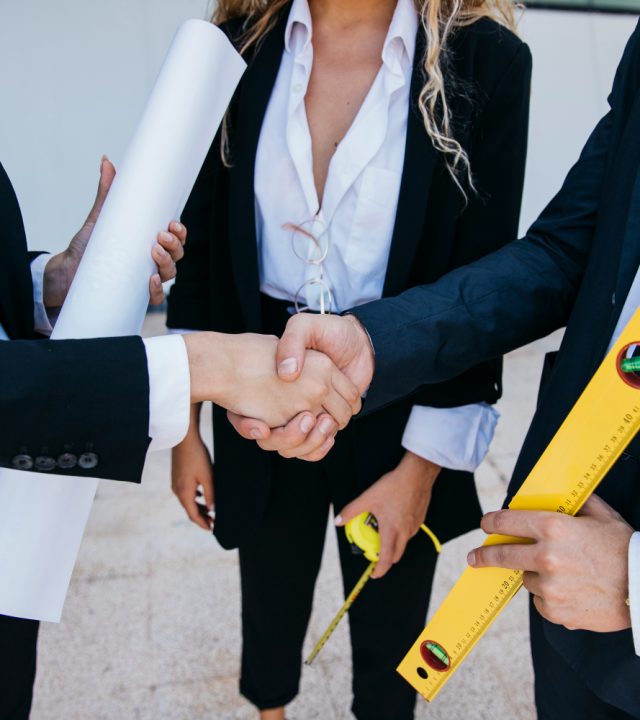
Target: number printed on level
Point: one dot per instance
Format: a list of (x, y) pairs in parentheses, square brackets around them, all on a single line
[(596, 432)]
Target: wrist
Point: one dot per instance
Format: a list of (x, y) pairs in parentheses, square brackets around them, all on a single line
[(420, 467), (54, 282), (210, 366)]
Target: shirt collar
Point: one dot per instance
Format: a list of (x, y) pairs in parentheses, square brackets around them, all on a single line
[(297, 34), (400, 43)]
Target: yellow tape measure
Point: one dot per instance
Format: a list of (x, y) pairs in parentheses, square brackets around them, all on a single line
[(362, 533), (593, 436)]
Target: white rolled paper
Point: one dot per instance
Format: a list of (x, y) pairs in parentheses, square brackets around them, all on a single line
[(42, 518)]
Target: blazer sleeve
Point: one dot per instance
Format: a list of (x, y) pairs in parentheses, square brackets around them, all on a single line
[(490, 220), (509, 298), (75, 407)]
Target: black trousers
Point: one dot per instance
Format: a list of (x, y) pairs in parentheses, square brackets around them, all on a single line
[(560, 693), (18, 640), (279, 566)]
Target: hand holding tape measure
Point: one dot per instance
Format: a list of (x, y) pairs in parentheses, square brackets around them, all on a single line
[(362, 533)]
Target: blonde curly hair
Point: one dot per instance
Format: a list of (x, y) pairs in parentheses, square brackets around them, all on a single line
[(439, 19)]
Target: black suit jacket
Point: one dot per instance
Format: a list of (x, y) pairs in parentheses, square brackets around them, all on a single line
[(218, 283), (575, 268), (70, 397)]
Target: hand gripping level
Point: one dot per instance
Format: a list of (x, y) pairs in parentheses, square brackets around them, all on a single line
[(602, 423)]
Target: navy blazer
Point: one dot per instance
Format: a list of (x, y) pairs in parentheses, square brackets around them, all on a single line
[(218, 280), (66, 397), (574, 268)]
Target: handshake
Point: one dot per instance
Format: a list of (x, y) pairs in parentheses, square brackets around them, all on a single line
[(290, 395)]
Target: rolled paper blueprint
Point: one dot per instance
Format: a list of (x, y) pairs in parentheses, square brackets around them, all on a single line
[(42, 517)]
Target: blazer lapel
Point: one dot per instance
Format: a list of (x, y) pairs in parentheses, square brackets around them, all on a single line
[(630, 252), (419, 162), (254, 93)]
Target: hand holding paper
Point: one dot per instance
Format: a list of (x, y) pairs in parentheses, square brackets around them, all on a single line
[(61, 268)]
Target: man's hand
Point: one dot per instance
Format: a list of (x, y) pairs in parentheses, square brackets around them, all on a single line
[(346, 342), (62, 268), (237, 372), (576, 567), (399, 501)]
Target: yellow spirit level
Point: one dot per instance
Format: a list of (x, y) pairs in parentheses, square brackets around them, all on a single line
[(601, 424)]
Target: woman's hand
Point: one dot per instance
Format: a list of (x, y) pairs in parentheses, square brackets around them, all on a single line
[(238, 373), (399, 501), (62, 268), (192, 475)]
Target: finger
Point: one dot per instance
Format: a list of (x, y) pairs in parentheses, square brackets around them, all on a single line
[(521, 523), (401, 546), (510, 557), (598, 508), (388, 542), (208, 492), (248, 428), (292, 347), (188, 502), (179, 230), (353, 509), (313, 444), (291, 436), (339, 409), (107, 174), (322, 451), (172, 245), (156, 291), (532, 582), (164, 263), (344, 386)]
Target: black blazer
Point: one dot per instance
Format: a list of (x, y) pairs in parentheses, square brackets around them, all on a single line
[(73, 397), (218, 282), (575, 268)]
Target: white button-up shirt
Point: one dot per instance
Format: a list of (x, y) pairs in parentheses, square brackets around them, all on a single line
[(167, 364), (358, 208)]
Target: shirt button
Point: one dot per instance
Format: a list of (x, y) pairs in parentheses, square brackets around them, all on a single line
[(298, 88), (66, 461), (22, 462), (45, 463), (88, 461)]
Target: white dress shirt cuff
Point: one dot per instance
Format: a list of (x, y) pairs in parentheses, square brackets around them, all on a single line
[(454, 438), (41, 320), (169, 390), (634, 588)]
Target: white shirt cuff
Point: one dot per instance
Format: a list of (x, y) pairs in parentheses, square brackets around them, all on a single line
[(41, 320), (454, 438), (634, 588), (169, 390)]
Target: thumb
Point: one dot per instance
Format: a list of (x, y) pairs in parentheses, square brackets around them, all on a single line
[(292, 347), (596, 507), (107, 174), (248, 428), (353, 509)]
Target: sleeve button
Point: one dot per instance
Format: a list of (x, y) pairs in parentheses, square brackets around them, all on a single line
[(45, 463), (88, 460), (66, 461), (22, 462)]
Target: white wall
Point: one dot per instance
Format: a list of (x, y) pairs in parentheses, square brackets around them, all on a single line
[(75, 74), (575, 56)]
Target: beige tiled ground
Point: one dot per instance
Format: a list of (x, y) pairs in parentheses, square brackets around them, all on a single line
[(151, 626)]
